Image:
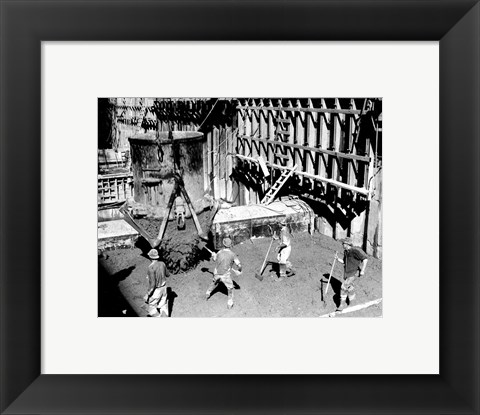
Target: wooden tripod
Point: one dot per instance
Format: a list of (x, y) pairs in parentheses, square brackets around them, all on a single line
[(179, 187)]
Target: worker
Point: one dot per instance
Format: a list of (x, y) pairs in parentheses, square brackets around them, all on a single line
[(284, 250), (156, 297), (224, 260), (180, 212), (355, 262)]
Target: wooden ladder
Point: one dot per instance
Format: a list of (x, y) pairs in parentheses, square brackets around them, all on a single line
[(270, 195)]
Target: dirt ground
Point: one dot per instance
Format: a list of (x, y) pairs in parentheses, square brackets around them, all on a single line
[(122, 282)]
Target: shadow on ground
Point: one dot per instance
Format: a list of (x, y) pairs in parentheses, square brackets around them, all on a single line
[(111, 302)]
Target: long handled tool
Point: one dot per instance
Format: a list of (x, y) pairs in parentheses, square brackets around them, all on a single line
[(202, 245), (331, 272), (258, 275)]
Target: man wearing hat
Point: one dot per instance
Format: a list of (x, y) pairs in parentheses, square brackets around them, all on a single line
[(355, 262), (156, 297), (284, 251), (224, 260)]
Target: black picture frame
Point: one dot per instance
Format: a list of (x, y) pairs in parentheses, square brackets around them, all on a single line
[(24, 24)]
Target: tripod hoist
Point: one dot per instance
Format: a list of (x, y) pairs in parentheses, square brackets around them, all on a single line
[(175, 198)]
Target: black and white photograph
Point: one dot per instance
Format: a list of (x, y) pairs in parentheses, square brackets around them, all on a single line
[(240, 207)]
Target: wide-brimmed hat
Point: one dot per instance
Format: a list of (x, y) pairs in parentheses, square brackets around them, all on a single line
[(227, 242), (153, 254), (347, 241), (283, 222)]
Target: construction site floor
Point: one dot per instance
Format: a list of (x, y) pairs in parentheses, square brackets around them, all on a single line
[(122, 284)]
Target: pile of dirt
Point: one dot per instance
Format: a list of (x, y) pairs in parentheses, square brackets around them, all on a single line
[(179, 248)]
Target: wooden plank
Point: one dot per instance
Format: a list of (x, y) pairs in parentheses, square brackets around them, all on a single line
[(254, 130), (291, 139), (293, 109), (280, 114), (263, 131), (222, 154), (336, 133), (299, 138), (215, 149), (323, 138), (271, 131), (222, 134), (241, 116), (322, 179), (206, 181), (352, 166), (306, 148), (210, 161), (229, 164), (310, 139)]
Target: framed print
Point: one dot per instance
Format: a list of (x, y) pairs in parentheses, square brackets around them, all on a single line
[(162, 365)]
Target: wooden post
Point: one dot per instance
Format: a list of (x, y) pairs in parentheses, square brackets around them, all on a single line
[(341, 164), (209, 162), (336, 143), (249, 131), (357, 225), (206, 184), (291, 137), (323, 140), (301, 138), (241, 131), (271, 131), (310, 139), (216, 158), (325, 162), (229, 163), (263, 132), (350, 130), (222, 151)]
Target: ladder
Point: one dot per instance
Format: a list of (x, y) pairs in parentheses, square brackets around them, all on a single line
[(270, 195)]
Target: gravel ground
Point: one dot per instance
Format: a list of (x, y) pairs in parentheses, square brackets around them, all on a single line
[(122, 283)]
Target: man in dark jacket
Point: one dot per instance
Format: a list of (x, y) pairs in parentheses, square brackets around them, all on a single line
[(156, 297), (355, 262)]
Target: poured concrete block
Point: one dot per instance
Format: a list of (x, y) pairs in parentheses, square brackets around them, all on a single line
[(241, 223), (115, 234)]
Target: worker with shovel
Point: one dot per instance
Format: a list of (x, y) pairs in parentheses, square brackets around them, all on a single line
[(284, 251), (355, 262), (224, 260), (156, 297)]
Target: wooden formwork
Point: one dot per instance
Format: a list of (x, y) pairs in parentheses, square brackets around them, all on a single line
[(338, 163)]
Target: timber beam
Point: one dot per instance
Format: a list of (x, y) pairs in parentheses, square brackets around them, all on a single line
[(306, 148), (297, 109), (311, 176)]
